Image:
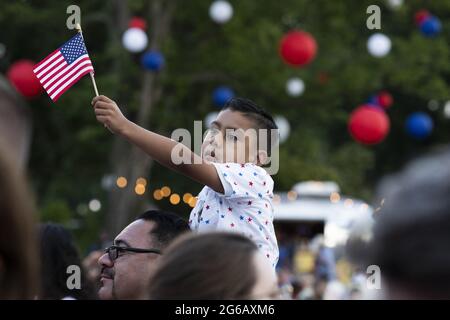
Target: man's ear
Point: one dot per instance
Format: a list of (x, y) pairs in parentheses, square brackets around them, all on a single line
[(262, 157)]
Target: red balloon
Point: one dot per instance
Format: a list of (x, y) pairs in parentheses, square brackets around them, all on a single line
[(421, 16), (368, 125), (21, 76), (298, 48), (385, 99), (137, 22)]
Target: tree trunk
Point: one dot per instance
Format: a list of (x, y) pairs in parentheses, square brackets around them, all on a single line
[(129, 161)]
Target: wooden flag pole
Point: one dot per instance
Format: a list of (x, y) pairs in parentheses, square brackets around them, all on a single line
[(78, 27)]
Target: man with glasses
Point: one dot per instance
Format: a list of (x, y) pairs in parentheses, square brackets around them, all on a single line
[(128, 264)]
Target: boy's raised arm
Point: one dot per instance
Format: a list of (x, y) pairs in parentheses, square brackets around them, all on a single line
[(156, 146)]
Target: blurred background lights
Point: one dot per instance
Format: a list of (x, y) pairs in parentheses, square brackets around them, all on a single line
[(174, 199), (121, 182), (94, 205)]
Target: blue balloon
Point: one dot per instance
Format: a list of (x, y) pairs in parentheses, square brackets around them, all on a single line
[(373, 99), (152, 60), (431, 26), (419, 125), (221, 95)]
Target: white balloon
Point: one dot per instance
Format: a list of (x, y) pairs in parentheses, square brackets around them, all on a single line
[(134, 40), (447, 110), (283, 127), (220, 11), (94, 205), (295, 87), (210, 117), (379, 45), (395, 4)]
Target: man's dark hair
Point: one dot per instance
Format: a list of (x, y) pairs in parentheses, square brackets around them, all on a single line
[(261, 118), (168, 225)]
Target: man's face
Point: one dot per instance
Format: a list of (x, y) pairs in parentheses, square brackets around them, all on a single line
[(128, 276), (232, 138)]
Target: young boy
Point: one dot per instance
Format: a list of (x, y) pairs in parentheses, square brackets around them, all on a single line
[(238, 193)]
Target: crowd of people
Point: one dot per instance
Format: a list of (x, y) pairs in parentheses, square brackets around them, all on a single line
[(228, 247), (158, 257)]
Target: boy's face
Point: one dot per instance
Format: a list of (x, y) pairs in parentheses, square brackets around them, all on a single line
[(232, 137)]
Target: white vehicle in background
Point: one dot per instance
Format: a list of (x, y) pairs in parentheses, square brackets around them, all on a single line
[(315, 207)]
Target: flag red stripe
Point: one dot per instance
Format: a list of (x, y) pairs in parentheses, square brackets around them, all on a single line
[(66, 68), (50, 73), (69, 79), (64, 78), (70, 85), (60, 74), (45, 59)]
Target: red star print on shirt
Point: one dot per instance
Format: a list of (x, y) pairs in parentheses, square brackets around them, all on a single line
[(250, 184)]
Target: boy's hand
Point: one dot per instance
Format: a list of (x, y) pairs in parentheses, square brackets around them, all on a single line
[(108, 113)]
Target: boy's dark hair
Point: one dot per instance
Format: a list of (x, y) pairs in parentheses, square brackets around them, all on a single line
[(260, 117), (168, 225)]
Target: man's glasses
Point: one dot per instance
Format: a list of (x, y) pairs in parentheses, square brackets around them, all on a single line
[(114, 251)]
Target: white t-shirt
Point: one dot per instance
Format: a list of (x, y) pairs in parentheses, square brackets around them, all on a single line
[(245, 207)]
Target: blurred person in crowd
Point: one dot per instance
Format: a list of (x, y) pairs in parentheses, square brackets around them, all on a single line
[(320, 284), (128, 264), (58, 253), (335, 290), (18, 248), (307, 287), (214, 266), (325, 263), (411, 236)]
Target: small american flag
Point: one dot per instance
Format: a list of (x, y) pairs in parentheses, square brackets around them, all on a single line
[(64, 67)]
